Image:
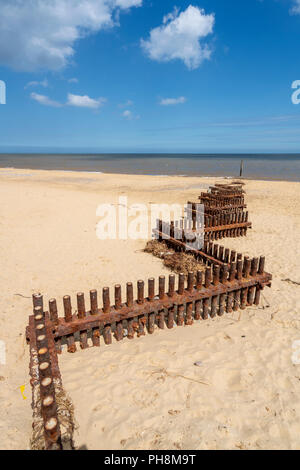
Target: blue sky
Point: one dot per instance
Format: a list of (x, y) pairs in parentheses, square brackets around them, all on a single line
[(150, 75)]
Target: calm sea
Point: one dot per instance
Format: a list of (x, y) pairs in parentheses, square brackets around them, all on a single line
[(259, 166)]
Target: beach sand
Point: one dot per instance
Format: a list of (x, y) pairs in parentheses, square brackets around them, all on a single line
[(147, 393)]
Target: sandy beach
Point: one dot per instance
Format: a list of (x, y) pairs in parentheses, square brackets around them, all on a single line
[(147, 393)]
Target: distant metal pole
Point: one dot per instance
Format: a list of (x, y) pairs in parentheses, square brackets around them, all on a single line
[(241, 168)]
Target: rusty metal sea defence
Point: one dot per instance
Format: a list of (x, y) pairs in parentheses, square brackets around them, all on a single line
[(230, 282), (224, 211)]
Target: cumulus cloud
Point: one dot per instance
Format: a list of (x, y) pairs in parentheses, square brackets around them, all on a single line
[(43, 83), (180, 37), (172, 101), (36, 34), (79, 101), (85, 101), (45, 100)]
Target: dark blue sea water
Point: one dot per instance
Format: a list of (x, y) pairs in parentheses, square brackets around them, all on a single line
[(258, 166)]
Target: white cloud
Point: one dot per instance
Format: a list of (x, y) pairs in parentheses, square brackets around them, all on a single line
[(41, 34), (127, 114), (128, 3), (73, 80), (73, 100), (171, 16), (130, 115), (296, 8), (42, 99), (179, 37), (172, 101), (44, 84), (85, 101)]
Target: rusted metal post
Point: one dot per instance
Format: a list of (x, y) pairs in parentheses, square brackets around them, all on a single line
[(68, 318), (161, 313), (67, 308), (106, 309), (189, 305), (141, 300), (257, 295), (180, 311), (246, 274), (230, 296), (221, 253), (206, 301), (222, 300), (215, 298), (251, 292), (94, 302), (54, 318), (171, 293), (81, 314), (151, 288), (261, 268), (106, 300), (53, 311), (129, 301), (80, 305), (119, 333), (37, 300), (198, 303), (94, 311), (151, 295)]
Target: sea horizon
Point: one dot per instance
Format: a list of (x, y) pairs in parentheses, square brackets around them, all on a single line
[(273, 166)]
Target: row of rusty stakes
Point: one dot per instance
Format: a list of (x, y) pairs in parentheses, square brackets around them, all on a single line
[(220, 253), (238, 218), (237, 268), (222, 204), (225, 218), (217, 204), (47, 390)]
